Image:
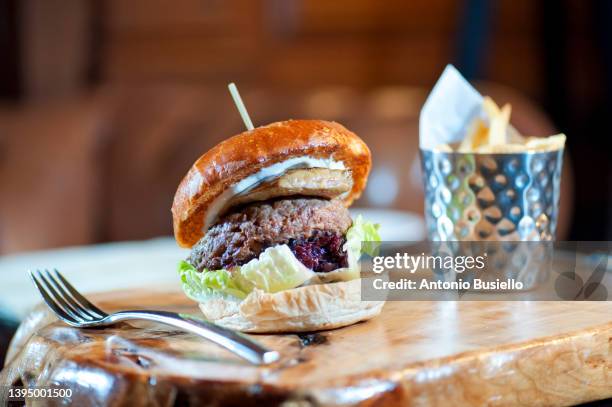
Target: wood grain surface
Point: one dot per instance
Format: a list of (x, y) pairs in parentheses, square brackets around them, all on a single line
[(414, 353)]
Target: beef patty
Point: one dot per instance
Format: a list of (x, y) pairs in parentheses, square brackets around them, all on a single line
[(313, 228)]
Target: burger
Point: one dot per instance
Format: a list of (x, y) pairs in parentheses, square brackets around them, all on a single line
[(273, 246)]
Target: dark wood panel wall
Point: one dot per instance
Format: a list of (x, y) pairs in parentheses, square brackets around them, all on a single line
[(301, 44), (56, 48), (65, 46)]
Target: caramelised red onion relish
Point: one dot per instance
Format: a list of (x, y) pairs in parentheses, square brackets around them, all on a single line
[(321, 253)]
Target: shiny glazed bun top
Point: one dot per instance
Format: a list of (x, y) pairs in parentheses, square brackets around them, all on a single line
[(207, 187)]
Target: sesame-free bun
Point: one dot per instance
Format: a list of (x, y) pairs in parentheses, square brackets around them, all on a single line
[(247, 153), (309, 308)]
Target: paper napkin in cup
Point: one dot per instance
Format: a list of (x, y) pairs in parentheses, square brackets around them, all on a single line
[(448, 111), (450, 108)]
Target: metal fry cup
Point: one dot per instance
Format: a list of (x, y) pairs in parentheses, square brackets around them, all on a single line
[(472, 196), (493, 198)]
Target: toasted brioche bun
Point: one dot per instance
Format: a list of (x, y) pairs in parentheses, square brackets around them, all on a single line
[(308, 308), (247, 153)]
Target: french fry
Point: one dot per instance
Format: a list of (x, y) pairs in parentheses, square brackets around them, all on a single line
[(498, 137), (499, 126), (550, 143), (477, 135), (490, 107)]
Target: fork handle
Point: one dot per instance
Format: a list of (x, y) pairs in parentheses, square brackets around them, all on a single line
[(235, 342)]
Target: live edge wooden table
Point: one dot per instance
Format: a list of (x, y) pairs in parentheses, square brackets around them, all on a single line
[(414, 353)]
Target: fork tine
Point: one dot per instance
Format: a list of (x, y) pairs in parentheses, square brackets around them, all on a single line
[(59, 300), (49, 301), (81, 311), (82, 300)]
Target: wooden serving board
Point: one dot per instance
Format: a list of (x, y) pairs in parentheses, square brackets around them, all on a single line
[(414, 353)]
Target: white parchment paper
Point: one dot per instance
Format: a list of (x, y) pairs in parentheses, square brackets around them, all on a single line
[(449, 109)]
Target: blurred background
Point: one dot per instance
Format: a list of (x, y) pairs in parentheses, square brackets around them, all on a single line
[(104, 105)]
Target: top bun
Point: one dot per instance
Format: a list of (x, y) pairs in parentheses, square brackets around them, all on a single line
[(247, 153)]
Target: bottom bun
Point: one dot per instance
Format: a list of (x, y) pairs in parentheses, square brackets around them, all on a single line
[(308, 308)]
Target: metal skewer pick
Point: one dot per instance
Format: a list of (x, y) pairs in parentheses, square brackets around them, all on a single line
[(240, 106)]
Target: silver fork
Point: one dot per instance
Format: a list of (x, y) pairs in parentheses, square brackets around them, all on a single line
[(75, 310)]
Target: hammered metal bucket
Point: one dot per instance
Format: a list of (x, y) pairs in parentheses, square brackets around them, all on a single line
[(491, 198)]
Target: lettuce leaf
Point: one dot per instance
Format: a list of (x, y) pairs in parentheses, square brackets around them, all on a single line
[(362, 237), (207, 284), (276, 269)]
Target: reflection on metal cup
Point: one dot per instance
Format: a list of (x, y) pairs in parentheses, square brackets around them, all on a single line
[(472, 197), (491, 196)]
